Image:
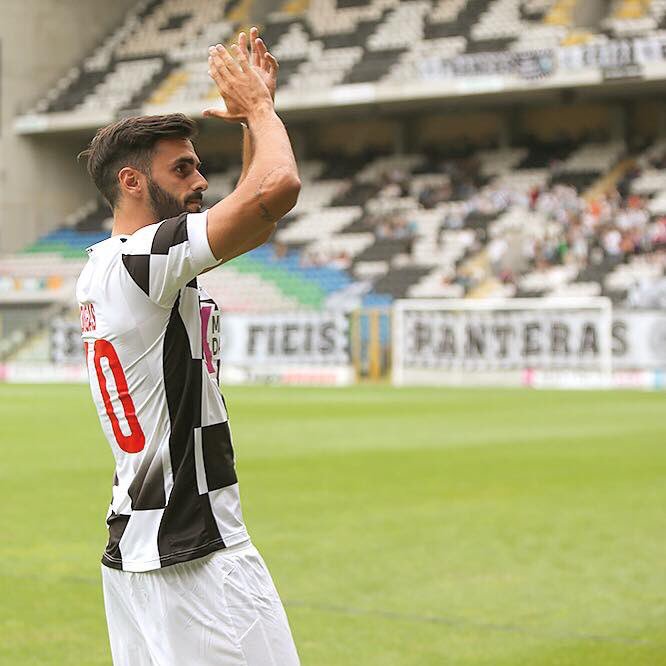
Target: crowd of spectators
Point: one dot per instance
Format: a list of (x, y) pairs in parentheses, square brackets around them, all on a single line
[(564, 226), (580, 230)]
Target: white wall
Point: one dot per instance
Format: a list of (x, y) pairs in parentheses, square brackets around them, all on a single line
[(40, 181)]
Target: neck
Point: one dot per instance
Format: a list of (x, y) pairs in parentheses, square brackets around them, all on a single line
[(128, 218)]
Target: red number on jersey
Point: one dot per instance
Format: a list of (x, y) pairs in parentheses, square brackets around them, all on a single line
[(136, 440)]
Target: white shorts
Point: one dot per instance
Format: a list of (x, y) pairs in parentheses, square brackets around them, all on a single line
[(219, 610)]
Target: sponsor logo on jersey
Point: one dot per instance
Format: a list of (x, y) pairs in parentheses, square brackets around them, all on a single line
[(210, 335)]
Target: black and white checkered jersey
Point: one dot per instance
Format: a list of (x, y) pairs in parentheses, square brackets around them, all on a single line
[(151, 336)]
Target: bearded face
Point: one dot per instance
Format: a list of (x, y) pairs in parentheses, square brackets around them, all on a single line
[(166, 205)]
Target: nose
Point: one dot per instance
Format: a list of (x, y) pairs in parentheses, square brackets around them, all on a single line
[(202, 184)]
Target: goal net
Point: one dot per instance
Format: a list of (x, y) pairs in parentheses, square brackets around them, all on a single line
[(502, 341)]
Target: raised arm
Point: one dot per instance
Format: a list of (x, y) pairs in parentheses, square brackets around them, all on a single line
[(270, 187), (265, 64)]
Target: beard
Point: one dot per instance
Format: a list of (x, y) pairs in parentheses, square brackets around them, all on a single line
[(165, 205)]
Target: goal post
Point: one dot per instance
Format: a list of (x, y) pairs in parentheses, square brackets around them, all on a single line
[(502, 341)]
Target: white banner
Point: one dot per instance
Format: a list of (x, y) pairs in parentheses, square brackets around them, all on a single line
[(509, 335), (298, 338)]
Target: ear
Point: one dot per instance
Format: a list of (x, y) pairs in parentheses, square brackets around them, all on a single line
[(132, 181)]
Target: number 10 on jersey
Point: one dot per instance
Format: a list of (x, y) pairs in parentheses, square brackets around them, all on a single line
[(135, 440)]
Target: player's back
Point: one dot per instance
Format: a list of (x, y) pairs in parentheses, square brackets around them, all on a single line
[(154, 383)]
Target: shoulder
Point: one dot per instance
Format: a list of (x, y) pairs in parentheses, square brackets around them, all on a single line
[(159, 238)]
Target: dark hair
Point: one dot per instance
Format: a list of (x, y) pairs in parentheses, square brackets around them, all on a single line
[(130, 142)]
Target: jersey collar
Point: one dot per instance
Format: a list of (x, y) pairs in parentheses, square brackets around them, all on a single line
[(107, 244)]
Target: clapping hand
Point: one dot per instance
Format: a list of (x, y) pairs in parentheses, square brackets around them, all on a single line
[(242, 79), (263, 62)]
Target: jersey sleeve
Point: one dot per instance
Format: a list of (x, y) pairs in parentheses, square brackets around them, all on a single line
[(163, 258)]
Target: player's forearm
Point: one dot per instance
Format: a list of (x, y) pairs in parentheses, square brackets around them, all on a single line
[(248, 152), (271, 179)]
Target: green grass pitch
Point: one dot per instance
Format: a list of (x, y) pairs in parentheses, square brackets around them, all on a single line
[(412, 527)]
